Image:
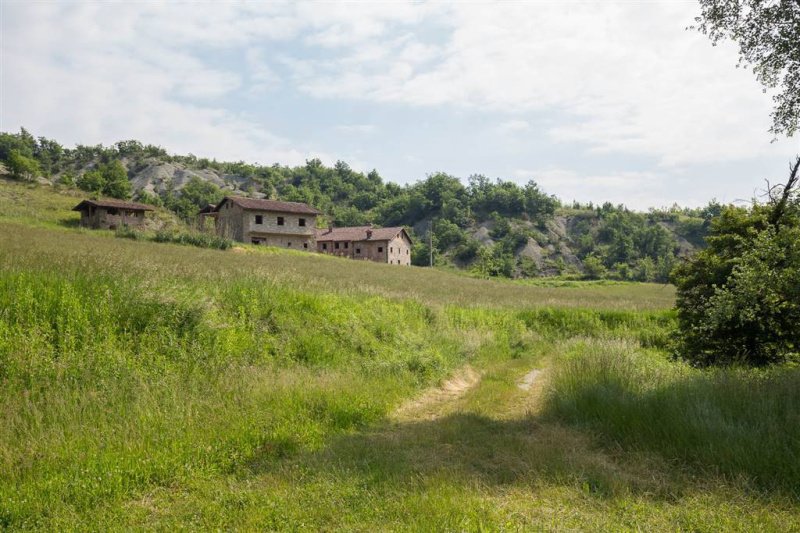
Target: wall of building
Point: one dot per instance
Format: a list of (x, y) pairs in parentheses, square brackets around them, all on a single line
[(242, 225), (396, 251), (297, 242), (399, 252), (269, 224), (230, 222), (100, 218)]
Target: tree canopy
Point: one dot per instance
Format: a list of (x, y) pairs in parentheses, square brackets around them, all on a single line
[(768, 35)]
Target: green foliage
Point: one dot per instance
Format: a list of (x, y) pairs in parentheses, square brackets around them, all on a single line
[(768, 34), (195, 194), (22, 167), (201, 240), (739, 299), (594, 267), (110, 179)]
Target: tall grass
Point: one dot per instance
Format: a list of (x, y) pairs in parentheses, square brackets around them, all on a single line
[(113, 383), (742, 423)]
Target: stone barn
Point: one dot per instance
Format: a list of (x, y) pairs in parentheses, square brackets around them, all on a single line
[(382, 245), (111, 214)]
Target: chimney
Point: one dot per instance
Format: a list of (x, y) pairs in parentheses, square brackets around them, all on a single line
[(330, 227), (369, 233)]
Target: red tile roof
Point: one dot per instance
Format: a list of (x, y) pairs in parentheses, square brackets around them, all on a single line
[(111, 203), (269, 205), (359, 233)]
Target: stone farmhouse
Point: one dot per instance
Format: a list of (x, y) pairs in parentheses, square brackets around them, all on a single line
[(111, 214), (382, 245), (268, 222)]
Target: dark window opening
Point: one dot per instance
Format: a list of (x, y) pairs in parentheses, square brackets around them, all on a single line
[(302, 222), (324, 246), (358, 250), (336, 245), (391, 250), (289, 244), (406, 252), (259, 219), (280, 221), (255, 241), (346, 245), (305, 245), (380, 249)]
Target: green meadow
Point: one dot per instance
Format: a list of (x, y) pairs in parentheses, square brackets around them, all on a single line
[(150, 385)]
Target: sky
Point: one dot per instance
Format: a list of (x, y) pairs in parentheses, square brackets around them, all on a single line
[(596, 101)]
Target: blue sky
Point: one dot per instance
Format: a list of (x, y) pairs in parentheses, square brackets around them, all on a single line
[(595, 101)]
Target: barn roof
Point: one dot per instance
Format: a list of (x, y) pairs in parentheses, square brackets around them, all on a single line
[(359, 233), (112, 203), (269, 205)]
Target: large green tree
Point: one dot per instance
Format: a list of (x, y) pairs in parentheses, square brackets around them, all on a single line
[(768, 35)]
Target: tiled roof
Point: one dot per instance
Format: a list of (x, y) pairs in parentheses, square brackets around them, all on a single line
[(269, 205), (358, 233), (118, 204)]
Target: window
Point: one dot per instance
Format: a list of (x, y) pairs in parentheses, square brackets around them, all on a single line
[(346, 245), (289, 244), (406, 251), (324, 246), (358, 250), (391, 250), (280, 221), (336, 245), (302, 222), (305, 245), (255, 241), (380, 249), (259, 219)]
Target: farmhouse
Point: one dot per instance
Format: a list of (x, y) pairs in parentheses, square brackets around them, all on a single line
[(111, 214), (382, 245), (269, 222)]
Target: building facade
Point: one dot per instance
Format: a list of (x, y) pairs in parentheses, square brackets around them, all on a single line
[(111, 214), (382, 245), (267, 222)]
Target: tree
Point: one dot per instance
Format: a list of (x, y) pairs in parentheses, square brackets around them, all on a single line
[(768, 35), (22, 167), (739, 299), (116, 183)]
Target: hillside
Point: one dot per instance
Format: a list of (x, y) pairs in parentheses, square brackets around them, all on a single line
[(157, 386), (491, 228)]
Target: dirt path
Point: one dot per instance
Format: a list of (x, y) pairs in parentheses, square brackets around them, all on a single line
[(529, 379), (428, 406)]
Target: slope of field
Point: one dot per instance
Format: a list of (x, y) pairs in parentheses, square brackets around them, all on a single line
[(157, 386)]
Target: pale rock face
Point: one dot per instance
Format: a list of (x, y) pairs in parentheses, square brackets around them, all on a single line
[(533, 251), (482, 235), (157, 177)]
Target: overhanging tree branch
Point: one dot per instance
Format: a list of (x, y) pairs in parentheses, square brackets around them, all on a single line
[(780, 204)]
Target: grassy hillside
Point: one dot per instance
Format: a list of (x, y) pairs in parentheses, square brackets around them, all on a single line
[(157, 386), (490, 227)]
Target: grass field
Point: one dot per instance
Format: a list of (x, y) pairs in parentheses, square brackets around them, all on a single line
[(157, 386)]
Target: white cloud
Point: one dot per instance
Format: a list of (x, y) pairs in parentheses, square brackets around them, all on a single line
[(89, 73), (513, 126), (625, 78), (356, 128), (638, 190)]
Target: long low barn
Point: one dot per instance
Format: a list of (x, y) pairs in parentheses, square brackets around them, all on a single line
[(382, 245), (111, 214)]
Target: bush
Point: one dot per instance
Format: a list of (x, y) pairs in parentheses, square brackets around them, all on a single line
[(201, 240), (739, 299)]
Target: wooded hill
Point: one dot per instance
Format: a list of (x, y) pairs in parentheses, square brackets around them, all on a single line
[(491, 227)]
